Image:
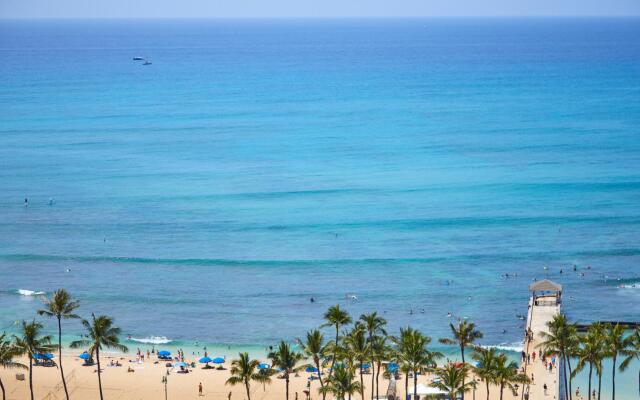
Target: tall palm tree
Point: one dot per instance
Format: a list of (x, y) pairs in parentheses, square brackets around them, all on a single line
[(412, 352), (375, 325), (102, 334), (337, 317), (631, 353), (314, 348), (464, 335), (590, 352), (60, 306), (287, 360), (486, 369), (32, 342), (342, 383), (381, 352), (451, 379), (561, 340), (357, 346), (617, 344), (244, 370), (7, 353), (507, 376)]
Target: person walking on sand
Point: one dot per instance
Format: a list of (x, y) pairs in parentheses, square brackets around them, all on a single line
[(200, 389)]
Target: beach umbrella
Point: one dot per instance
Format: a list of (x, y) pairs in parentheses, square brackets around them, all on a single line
[(365, 366), (43, 356), (205, 360), (311, 369), (181, 364), (218, 360), (164, 353), (85, 356), (264, 366), (393, 367)]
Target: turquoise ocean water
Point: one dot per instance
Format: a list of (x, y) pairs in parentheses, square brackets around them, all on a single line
[(258, 163)]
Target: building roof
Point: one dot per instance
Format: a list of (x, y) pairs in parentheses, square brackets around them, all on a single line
[(545, 286)]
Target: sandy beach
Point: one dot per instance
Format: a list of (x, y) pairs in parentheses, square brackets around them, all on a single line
[(146, 383)]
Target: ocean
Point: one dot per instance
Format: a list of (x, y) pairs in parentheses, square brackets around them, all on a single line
[(256, 164)]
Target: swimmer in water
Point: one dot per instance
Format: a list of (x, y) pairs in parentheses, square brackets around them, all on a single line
[(68, 269), (312, 300), (26, 202)]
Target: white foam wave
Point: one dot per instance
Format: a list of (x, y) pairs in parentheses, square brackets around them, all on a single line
[(515, 347), (153, 340), (25, 292), (630, 286)]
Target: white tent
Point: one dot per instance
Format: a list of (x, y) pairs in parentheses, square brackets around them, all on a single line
[(425, 390)]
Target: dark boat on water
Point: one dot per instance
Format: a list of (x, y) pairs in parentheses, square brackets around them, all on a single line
[(138, 58)]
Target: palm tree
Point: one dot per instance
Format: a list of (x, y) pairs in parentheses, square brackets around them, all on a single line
[(60, 306), (633, 352), (244, 370), (412, 352), (337, 317), (374, 324), (7, 353), (287, 360), (464, 335), (617, 344), (101, 333), (381, 352), (507, 376), (357, 346), (590, 352), (314, 348), (31, 342), (486, 369), (451, 379), (561, 340), (342, 383)]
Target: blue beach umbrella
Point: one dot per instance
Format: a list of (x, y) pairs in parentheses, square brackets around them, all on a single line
[(43, 356), (311, 369), (164, 353), (365, 366), (85, 356), (264, 366), (218, 360), (181, 364), (205, 360), (393, 367)]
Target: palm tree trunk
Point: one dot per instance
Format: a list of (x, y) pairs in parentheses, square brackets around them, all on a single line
[(377, 381), (31, 376), (99, 377), (564, 370), (599, 383), (317, 361), (570, 389), (590, 372), (4, 395), (373, 376), (487, 382), (463, 363), (286, 381), (613, 379), (246, 385), (415, 385), (335, 351), (501, 390), (406, 386), (64, 382), (361, 382)]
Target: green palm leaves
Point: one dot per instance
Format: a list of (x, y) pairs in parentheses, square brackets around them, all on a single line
[(244, 370)]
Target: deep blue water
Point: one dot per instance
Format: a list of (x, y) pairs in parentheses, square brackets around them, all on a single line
[(256, 164)]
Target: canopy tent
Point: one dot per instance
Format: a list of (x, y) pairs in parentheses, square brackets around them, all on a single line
[(423, 390)]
